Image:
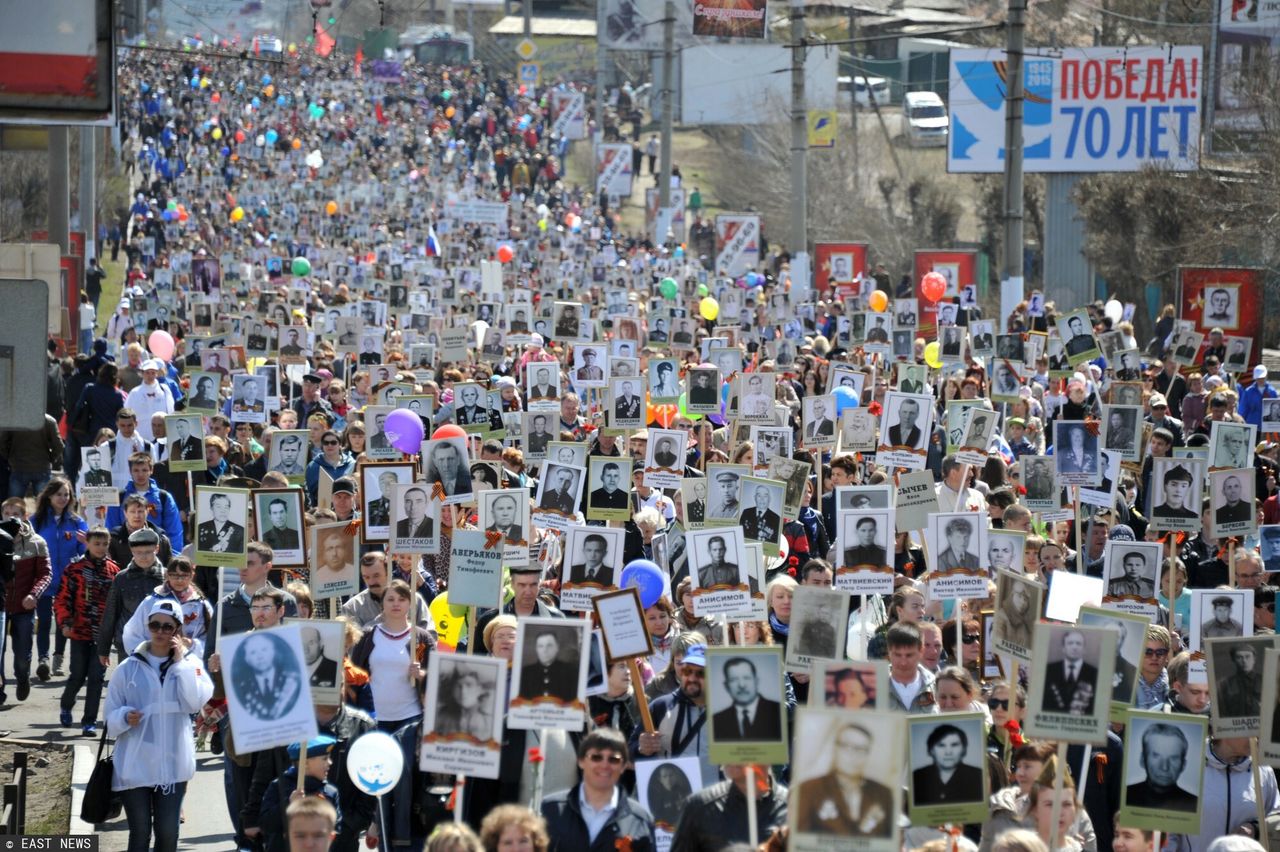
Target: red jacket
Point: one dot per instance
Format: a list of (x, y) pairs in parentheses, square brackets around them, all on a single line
[(31, 569), (83, 596)]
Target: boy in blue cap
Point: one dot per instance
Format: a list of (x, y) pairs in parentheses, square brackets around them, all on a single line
[(284, 789)]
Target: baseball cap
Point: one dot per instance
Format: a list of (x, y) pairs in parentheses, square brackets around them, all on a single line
[(1158, 401), (152, 364), (343, 485), (1259, 372), (696, 656), (167, 607)]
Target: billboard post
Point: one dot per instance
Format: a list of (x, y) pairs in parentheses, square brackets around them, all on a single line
[(1013, 177)]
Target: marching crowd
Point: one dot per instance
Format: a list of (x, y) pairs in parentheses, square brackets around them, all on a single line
[(257, 164)]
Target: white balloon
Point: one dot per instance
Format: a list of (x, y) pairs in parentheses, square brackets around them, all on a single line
[(375, 763), (1113, 310)]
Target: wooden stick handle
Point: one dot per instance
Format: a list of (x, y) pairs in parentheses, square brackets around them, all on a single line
[(637, 684)]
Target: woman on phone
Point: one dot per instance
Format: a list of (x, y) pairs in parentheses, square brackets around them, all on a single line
[(149, 705)]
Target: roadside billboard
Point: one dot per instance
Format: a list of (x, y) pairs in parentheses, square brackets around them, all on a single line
[(730, 18), (1092, 109), (57, 63)]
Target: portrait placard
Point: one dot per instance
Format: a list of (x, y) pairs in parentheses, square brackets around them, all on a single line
[(820, 622), (268, 697), (948, 781), (725, 501), (1133, 572), (475, 568), (621, 620), (1231, 445), (550, 674), (248, 399), (1130, 640), (718, 568), (1038, 477), (1175, 494), (593, 563), (184, 443), (279, 515), (378, 443), (377, 484), (558, 497), (1235, 683), (1121, 430), (608, 484), (415, 519), (542, 386), (1075, 453), (663, 785), (693, 501), (203, 397), (462, 720), (849, 685), (664, 461), (1163, 771), (221, 517), (1076, 332), (445, 463), (905, 427), (1220, 614), (746, 705), (703, 395), (832, 745), (287, 454), (916, 500), (1070, 701), (335, 569), (794, 474), (756, 395), (1019, 599), (1231, 497), (957, 543), (506, 512), (865, 545), (322, 653), (626, 403), (980, 426), (1269, 738), (761, 516), (858, 430), (818, 429)]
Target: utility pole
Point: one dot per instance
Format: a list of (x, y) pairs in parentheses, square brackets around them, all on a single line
[(602, 55), (59, 189), (1013, 204), (1210, 81), (528, 17), (853, 95), (86, 192), (668, 103), (799, 135)]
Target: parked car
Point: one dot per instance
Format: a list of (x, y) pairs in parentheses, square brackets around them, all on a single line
[(925, 121), (864, 88)]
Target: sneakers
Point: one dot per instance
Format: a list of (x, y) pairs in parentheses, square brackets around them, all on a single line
[(24, 688), (57, 664), (64, 719), (42, 670), (89, 730)]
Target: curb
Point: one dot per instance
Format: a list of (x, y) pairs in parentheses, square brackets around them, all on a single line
[(81, 769)]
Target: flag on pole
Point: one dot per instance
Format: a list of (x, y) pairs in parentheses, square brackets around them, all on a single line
[(324, 42), (433, 242)]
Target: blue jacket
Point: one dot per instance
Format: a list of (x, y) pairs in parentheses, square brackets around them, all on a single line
[(346, 465), (1250, 405), (163, 512), (64, 546)]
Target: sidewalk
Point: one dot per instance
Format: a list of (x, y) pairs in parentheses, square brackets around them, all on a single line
[(207, 826)]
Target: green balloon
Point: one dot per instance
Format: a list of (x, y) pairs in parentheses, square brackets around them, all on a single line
[(702, 290), (667, 287), (301, 266), (684, 412)]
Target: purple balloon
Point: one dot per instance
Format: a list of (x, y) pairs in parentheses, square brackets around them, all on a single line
[(404, 428)]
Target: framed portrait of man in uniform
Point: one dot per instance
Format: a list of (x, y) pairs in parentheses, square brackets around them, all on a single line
[(279, 516), (1236, 685)]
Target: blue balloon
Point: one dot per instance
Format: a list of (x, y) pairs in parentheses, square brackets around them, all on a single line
[(647, 578), (845, 399), (145, 86), (226, 152), (266, 79), (724, 391), (257, 102), (281, 100), (272, 137)]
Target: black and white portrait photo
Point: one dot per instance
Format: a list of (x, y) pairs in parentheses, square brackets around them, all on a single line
[(288, 453), (1231, 445), (835, 751), (663, 785), (1004, 550), (279, 516), (982, 338), (1220, 614), (1121, 430), (627, 403), (664, 379), (1133, 569), (1010, 347), (465, 701), (693, 502), (761, 517), (560, 488), (537, 434), (724, 502), (1163, 769), (703, 394), (608, 488), (756, 396), (415, 519), (472, 410), (1018, 603), (184, 445), (716, 557), (1269, 547), (819, 622), (1175, 493), (819, 427), (268, 692), (322, 653), (507, 512), (980, 428), (589, 366), (220, 520), (664, 461), (1075, 452), (445, 462), (593, 560), (1235, 681), (1076, 332), (378, 481), (906, 425), (1222, 306), (550, 673), (1131, 634), (950, 343), (249, 399), (948, 767), (1231, 496), (745, 700), (1072, 699), (543, 386)]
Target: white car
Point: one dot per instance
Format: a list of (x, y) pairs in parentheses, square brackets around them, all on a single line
[(864, 88), (925, 120)]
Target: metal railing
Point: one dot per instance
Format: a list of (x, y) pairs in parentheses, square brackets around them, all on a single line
[(13, 812)]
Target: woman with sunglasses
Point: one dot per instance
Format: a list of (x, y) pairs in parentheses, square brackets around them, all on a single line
[(150, 700), (178, 586), (332, 459)]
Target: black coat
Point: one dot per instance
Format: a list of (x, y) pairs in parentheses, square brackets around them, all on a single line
[(568, 831)]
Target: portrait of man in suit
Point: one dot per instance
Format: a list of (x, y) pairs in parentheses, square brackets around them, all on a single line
[(592, 569), (1071, 683), (824, 803), (248, 396), (863, 549), (322, 670), (415, 523), (378, 513), (1235, 510), (544, 674), (702, 388), (538, 438), (220, 534), (288, 453), (820, 423), (279, 535), (751, 716), (544, 385), (183, 446), (664, 454), (504, 510), (759, 522), (266, 678), (947, 779), (609, 495), (206, 394), (559, 497), (378, 439), (445, 464), (956, 556), (905, 433), (1163, 759)]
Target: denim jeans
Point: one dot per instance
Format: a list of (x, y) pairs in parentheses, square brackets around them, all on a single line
[(147, 809), (21, 625), (85, 667), (19, 482), (44, 625), (235, 784), (86, 338)]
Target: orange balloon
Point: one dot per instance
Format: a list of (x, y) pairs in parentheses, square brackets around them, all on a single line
[(331, 208), (297, 143), (450, 112), (878, 301)]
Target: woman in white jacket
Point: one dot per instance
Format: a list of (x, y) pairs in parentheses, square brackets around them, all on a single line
[(149, 705)]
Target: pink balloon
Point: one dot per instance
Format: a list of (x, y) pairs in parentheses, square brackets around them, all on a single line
[(161, 345), (404, 428)]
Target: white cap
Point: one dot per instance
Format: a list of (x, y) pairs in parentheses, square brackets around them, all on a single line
[(535, 340), (1259, 372), (153, 364)]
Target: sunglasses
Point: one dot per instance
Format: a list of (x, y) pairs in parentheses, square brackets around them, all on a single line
[(161, 626), (998, 703), (971, 638), (329, 443), (612, 758), (1155, 652)]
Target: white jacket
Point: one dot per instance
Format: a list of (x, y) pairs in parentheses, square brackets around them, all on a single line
[(160, 751), (146, 400), (197, 615)]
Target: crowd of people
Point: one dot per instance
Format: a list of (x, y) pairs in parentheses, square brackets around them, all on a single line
[(360, 245)]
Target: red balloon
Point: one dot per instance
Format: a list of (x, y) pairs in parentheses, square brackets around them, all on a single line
[(505, 254), (933, 286), (448, 430)]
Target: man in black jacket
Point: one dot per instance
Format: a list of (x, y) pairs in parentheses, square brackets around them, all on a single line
[(716, 817), (573, 816)]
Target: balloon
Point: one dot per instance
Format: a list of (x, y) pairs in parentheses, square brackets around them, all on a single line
[(237, 214), (682, 408), (702, 289), (448, 430), (374, 760), (171, 205), (505, 254), (296, 144), (667, 287), (301, 266), (845, 398), (215, 97), (217, 133), (449, 621), (709, 308), (404, 429), (646, 577), (331, 208), (272, 137), (1113, 310), (933, 286), (260, 140), (450, 112), (161, 345), (240, 137), (878, 301), (542, 224), (269, 90), (933, 355), (183, 216)]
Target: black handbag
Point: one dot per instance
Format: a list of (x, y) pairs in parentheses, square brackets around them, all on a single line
[(101, 803)]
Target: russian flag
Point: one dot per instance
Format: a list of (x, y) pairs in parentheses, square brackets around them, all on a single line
[(433, 242), (1000, 445)]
